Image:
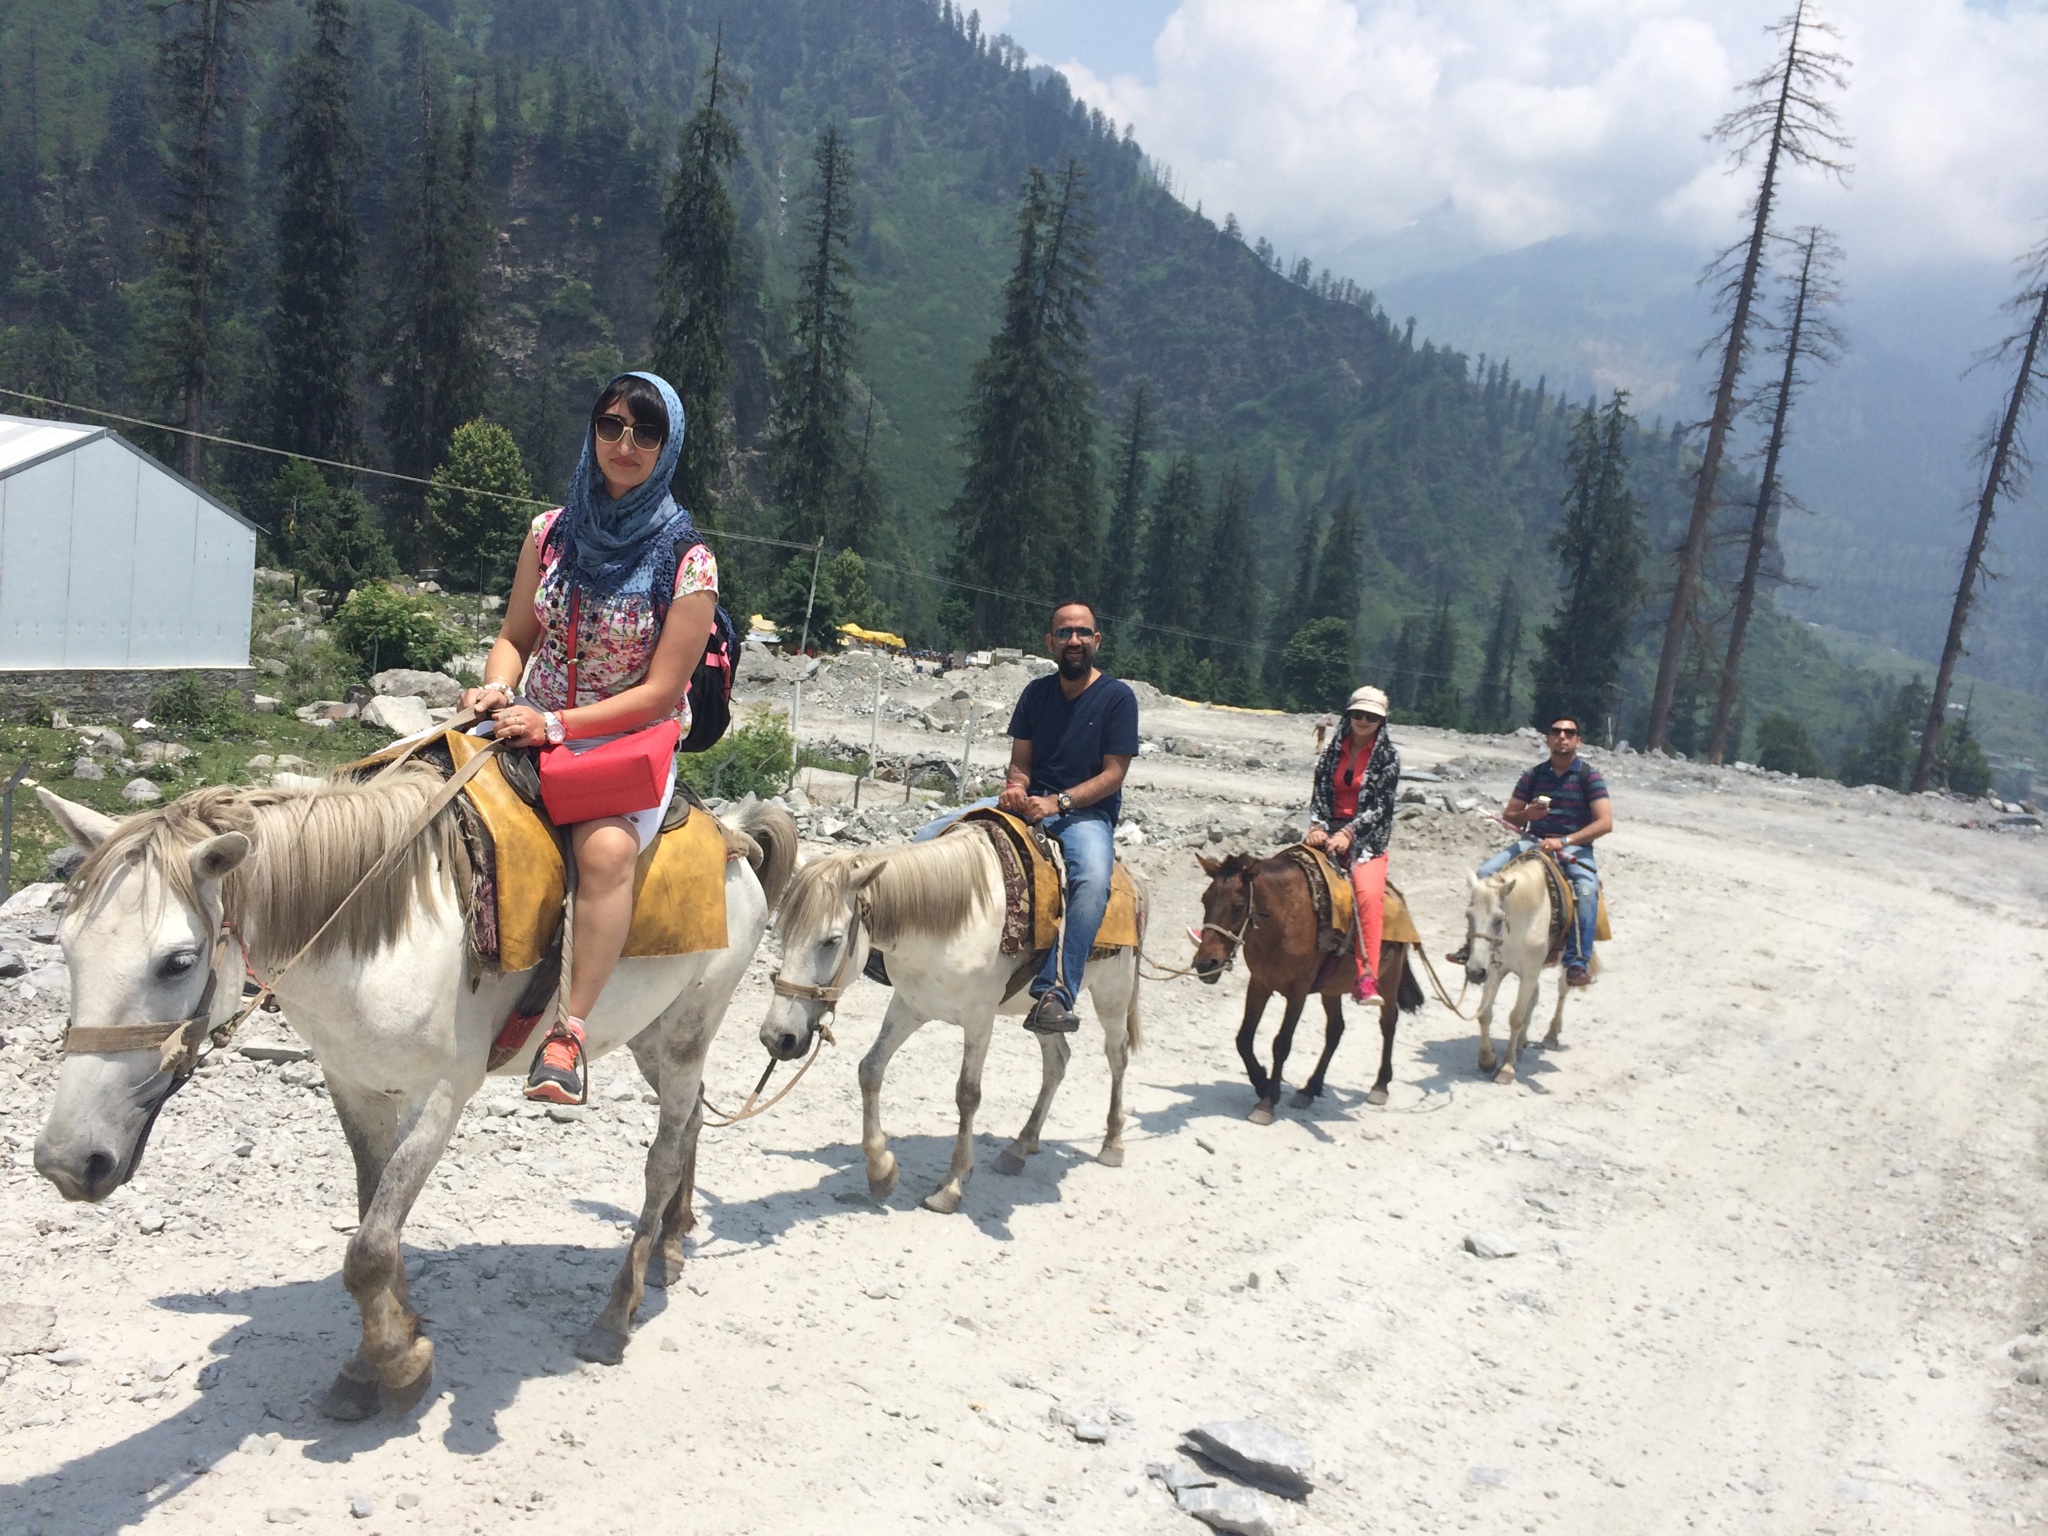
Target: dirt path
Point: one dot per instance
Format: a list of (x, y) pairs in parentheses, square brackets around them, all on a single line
[(1777, 1208)]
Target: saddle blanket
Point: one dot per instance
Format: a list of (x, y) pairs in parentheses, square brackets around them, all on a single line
[(678, 883), (1337, 907), (1564, 906), (1036, 895)]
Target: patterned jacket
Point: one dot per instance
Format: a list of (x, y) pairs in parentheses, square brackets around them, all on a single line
[(1372, 829)]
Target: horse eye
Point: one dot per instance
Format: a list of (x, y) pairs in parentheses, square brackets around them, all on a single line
[(175, 965)]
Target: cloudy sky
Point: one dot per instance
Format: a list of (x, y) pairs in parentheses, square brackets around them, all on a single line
[(1398, 133)]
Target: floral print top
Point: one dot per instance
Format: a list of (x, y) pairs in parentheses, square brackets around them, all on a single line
[(618, 633)]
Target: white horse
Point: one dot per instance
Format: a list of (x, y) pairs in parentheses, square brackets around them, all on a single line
[(399, 1013), (1507, 933), (936, 910)]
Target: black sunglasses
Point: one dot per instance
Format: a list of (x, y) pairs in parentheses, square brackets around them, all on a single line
[(610, 429), (1362, 714), (1073, 632), (1564, 730)]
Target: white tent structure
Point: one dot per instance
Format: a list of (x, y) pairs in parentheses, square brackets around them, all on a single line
[(112, 564)]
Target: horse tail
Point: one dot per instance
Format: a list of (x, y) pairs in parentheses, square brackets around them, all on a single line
[(1408, 996), (1134, 1033), (773, 829)]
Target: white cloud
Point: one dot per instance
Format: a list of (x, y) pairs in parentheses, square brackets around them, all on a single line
[(1338, 124)]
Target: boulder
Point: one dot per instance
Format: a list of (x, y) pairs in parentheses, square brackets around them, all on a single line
[(326, 711), (86, 768), (141, 792), (263, 704), (438, 689), (103, 741), (405, 715), (31, 899), (164, 752), (1238, 1510)]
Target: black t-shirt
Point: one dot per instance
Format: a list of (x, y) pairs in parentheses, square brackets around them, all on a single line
[(1070, 737)]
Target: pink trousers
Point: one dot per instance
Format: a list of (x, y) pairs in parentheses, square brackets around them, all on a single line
[(1369, 889)]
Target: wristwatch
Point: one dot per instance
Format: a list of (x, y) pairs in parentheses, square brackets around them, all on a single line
[(557, 732), (1065, 801)]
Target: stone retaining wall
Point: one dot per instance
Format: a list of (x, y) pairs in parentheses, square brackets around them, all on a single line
[(116, 696)]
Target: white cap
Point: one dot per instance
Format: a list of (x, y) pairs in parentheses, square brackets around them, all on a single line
[(1369, 699)]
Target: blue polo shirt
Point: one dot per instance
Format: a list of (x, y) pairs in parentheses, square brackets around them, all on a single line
[(1070, 737)]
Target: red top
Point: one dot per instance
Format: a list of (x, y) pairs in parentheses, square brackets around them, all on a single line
[(1351, 765)]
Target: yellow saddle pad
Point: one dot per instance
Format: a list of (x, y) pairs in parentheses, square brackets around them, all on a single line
[(1396, 925), (678, 884), (1044, 895)]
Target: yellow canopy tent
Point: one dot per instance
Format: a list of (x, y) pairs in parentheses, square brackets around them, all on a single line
[(853, 632)]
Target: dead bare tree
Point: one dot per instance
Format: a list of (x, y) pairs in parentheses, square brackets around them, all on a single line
[(1806, 333), (2004, 456), (1788, 118)]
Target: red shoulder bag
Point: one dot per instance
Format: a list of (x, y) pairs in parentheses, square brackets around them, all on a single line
[(612, 780)]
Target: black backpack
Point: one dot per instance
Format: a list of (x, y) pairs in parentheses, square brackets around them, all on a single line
[(710, 692)]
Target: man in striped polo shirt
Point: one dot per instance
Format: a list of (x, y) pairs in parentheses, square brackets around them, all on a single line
[(1562, 803)]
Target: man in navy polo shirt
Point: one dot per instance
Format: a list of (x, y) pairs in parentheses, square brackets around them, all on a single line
[(1073, 735), (1563, 803)]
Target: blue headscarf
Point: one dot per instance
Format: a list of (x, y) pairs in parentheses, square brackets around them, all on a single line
[(629, 545)]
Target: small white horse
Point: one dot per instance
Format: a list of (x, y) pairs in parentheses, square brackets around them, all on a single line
[(1507, 933), (173, 903), (936, 910)]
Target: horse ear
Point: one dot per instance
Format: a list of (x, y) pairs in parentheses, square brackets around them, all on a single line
[(81, 823), (1209, 866), (865, 875), (212, 859), (1477, 883)]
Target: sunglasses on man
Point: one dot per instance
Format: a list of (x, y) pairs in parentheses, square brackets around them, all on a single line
[(610, 429), (1564, 730), (1073, 632)]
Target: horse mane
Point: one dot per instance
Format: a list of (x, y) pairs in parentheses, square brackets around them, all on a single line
[(918, 888), (311, 846)]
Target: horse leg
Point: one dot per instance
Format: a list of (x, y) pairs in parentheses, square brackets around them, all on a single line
[(1262, 1112), (1526, 985), (1495, 975), (679, 1216), (1552, 1041), (967, 1095), (370, 1127), (1117, 1006), (898, 1025), (684, 1041), (1053, 1054), (1393, 975), (1333, 1034), (374, 1268), (1255, 996)]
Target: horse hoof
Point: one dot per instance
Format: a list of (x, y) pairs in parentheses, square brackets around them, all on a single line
[(945, 1200), (665, 1268), (350, 1401), (1009, 1162), (601, 1346), (1504, 1075), (1376, 1096), (1487, 1065), (1303, 1099), (1111, 1157), (881, 1189), (415, 1379), (1552, 1043), (1262, 1113)]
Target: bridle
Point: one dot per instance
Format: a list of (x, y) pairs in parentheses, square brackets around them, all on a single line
[(828, 994), (1232, 941)]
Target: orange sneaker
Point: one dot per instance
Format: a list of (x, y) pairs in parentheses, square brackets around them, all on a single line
[(557, 1075)]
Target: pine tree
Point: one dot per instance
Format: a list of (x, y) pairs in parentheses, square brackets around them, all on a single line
[(1437, 690), (313, 331), (1127, 512), (1885, 755), (1176, 535), (1807, 334), (1787, 118), (1403, 681), (2005, 467), (810, 440), (1029, 498), (194, 54), (1230, 588), (1340, 577), (698, 283), (1493, 703), (1601, 546), (434, 348), (476, 511)]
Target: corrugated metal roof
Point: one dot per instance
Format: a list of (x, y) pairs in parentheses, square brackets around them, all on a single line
[(24, 439)]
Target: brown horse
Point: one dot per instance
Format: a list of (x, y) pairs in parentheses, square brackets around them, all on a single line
[(1264, 907)]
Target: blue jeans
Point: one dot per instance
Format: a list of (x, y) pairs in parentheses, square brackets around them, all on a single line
[(1584, 875), (1087, 839)]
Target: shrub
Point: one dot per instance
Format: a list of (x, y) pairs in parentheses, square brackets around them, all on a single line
[(383, 628), (1316, 668), (753, 759), (187, 704), (1964, 769)]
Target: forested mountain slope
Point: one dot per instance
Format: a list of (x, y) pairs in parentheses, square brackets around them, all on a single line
[(567, 117)]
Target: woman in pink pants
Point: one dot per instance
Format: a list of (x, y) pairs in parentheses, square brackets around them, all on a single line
[(1351, 818)]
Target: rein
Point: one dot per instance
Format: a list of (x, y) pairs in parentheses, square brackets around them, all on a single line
[(179, 1040)]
